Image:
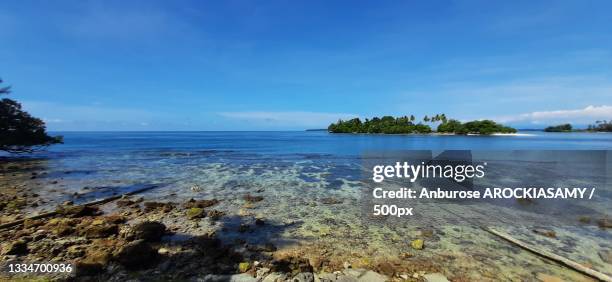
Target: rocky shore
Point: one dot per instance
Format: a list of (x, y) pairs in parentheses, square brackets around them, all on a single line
[(132, 238), (237, 238), (127, 244)]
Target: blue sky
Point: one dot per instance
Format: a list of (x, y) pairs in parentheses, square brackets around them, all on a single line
[(283, 65)]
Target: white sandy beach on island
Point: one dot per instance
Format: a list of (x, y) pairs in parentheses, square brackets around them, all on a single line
[(493, 134), (512, 134)]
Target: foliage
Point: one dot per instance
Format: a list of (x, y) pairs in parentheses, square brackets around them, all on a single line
[(19, 131), (559, 128), (484, 127), (405, 124), (386, 125), (451, 126), (601, 126)]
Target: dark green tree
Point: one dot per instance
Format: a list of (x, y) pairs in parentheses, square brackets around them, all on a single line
[(443, 118), (19, 131), (601, 126), (403, 125), (451, 126), (559, 128)]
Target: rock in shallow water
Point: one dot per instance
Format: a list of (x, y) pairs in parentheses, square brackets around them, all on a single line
[(78, 211), (200, 203), (244, 266), (252, 199), (605, 223), (194, 213), (417, 244)]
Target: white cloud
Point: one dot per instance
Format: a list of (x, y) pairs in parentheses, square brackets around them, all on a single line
[(586, 115), (299, 119)]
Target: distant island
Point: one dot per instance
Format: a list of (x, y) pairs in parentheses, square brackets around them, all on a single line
[(317, 129), (408, 125), (559, 128), (599, 126)]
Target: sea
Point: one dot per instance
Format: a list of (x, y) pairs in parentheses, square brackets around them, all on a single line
[(313, 182)]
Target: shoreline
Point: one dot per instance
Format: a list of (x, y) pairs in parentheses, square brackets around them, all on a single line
[(434, 134), (240, 236)]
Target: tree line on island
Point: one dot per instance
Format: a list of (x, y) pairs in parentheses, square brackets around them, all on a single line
[(599, 126), (408, 125)]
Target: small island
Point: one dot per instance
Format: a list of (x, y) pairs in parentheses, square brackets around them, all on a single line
[(599, 126), (408, 125), (559, 128)]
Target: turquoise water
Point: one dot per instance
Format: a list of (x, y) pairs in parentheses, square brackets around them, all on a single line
[(295, 171), (232, 159)]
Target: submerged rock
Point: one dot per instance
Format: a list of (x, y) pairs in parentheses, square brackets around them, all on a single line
[(200, 203), (215, 214), (194, 213), (77, 211), (157, 206), (126, 202), (244, 266), (253, 199), (604, 223), (417, 244)]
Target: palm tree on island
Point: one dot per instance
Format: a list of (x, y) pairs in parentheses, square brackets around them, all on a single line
[(405, 125)]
